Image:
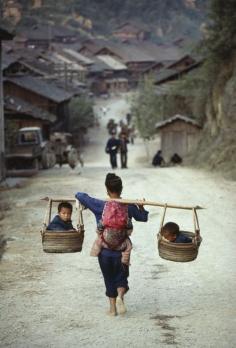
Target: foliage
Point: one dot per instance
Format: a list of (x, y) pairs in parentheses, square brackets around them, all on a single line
[(145, 109), (221, 30), (81, 114), (106, 14)]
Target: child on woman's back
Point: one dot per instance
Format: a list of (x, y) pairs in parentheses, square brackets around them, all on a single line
[(62, 221), (170, 231), (125, 244)]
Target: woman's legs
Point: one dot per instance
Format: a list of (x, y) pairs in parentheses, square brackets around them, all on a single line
[(115, 276), (112, 310)]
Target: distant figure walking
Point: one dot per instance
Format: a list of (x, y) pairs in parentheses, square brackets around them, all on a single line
[(158, 160), (123, 150), (112, 147)]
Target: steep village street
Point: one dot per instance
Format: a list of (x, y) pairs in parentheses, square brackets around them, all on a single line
[(57, 300)]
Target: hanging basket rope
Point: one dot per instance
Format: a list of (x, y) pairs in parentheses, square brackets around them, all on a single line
[(180, 252), (58, 241)]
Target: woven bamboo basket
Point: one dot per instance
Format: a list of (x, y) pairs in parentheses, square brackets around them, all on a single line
[(62, 242), (180, 252)]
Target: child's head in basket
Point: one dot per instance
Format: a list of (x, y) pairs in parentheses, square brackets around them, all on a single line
[(170, 231), (65, 211)]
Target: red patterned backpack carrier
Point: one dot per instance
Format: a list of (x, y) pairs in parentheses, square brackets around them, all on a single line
[(114, 219)]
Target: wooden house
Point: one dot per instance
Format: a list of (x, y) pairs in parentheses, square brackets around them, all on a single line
[(19, 113), (170, 74), (42, 94), (132, 56), (182, 63), (179, 134), (131, 31), (5, 34)]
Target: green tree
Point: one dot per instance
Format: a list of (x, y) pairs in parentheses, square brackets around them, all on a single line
[(146, 109), (220, 39), (81, 114)]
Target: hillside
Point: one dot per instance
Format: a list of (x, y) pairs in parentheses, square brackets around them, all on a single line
[(167, 20)]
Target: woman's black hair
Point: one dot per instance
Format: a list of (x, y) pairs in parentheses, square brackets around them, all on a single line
[(113, 183)]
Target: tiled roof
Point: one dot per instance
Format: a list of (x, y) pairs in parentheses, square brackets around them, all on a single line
[(112, 62), (47, 89), (168, 74), (78, 56), (6, 33), (129, 53)]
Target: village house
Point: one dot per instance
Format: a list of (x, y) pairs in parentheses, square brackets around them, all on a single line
[(41, 94), (131, 31), (179, 134), (19, 113), (5, 35), (133, 57), (182, 63), (90, 47), (43, 35), (118, 81), (98, 73), (168, 74)]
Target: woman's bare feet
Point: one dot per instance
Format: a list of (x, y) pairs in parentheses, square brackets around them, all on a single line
[(121, 309)]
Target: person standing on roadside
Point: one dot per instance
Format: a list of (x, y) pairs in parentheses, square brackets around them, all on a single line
[(112, 147), (123, 150)]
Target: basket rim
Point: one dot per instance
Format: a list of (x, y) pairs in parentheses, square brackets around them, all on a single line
[(179, 245), (66, 233)]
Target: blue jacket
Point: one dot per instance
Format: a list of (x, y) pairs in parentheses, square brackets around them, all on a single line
[(181, 238), (97, 205), (112, 145), (57, 224)]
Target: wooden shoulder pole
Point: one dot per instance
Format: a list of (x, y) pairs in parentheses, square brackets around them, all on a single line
[(133, 201)]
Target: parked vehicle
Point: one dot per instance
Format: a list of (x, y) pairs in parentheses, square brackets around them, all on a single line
[(29, 153), (64, 150)]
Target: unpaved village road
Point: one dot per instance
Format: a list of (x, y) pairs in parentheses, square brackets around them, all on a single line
[(57, 300)]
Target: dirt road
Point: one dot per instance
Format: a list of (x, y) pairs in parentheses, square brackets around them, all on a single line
[(50, 300)]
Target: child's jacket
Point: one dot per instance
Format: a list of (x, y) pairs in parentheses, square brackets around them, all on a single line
[(57, 224)]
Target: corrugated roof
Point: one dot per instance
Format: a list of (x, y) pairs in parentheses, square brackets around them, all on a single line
[(174, 118), (112, 62), (47, 89)]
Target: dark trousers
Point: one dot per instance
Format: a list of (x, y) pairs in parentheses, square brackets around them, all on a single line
[(113, 160), (115, 274), (123, 159)]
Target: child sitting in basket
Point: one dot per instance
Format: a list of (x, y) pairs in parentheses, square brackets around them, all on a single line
[(62, 221), (170, 232)]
